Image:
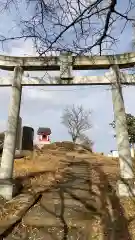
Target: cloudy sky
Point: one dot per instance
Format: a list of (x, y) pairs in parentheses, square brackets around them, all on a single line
[(43, 106)]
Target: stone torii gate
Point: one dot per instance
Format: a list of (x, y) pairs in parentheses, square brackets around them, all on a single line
[(65, 63)]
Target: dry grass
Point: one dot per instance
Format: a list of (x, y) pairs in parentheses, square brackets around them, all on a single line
[(23, 167), (49, 159), (39, 171)]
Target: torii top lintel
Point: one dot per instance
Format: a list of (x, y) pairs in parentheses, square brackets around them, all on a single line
[(52, 63)]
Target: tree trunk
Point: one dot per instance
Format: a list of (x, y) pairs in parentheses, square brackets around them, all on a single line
[(74, 139)]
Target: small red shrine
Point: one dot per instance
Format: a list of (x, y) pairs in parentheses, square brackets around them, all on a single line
[(43, 136)]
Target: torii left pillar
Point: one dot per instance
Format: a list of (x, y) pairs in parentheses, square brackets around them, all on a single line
[(7, 161)]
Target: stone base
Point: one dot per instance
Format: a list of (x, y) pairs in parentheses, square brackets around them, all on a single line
[(126, 190), (9, 188), (17, 152), (6, 189)]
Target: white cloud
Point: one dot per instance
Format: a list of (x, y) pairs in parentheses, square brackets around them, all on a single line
[(41, 94), (22, 48), (2, 125)]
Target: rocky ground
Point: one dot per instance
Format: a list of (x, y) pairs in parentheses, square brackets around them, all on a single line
[(67, 193)]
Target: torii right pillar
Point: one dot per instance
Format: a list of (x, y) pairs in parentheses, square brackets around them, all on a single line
[(126, 186)]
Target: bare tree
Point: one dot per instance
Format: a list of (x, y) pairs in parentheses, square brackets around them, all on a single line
[(77, 26), (77, 120)]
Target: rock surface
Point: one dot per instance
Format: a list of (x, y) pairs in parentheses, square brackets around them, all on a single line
[(83, 205), (13, 210)]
